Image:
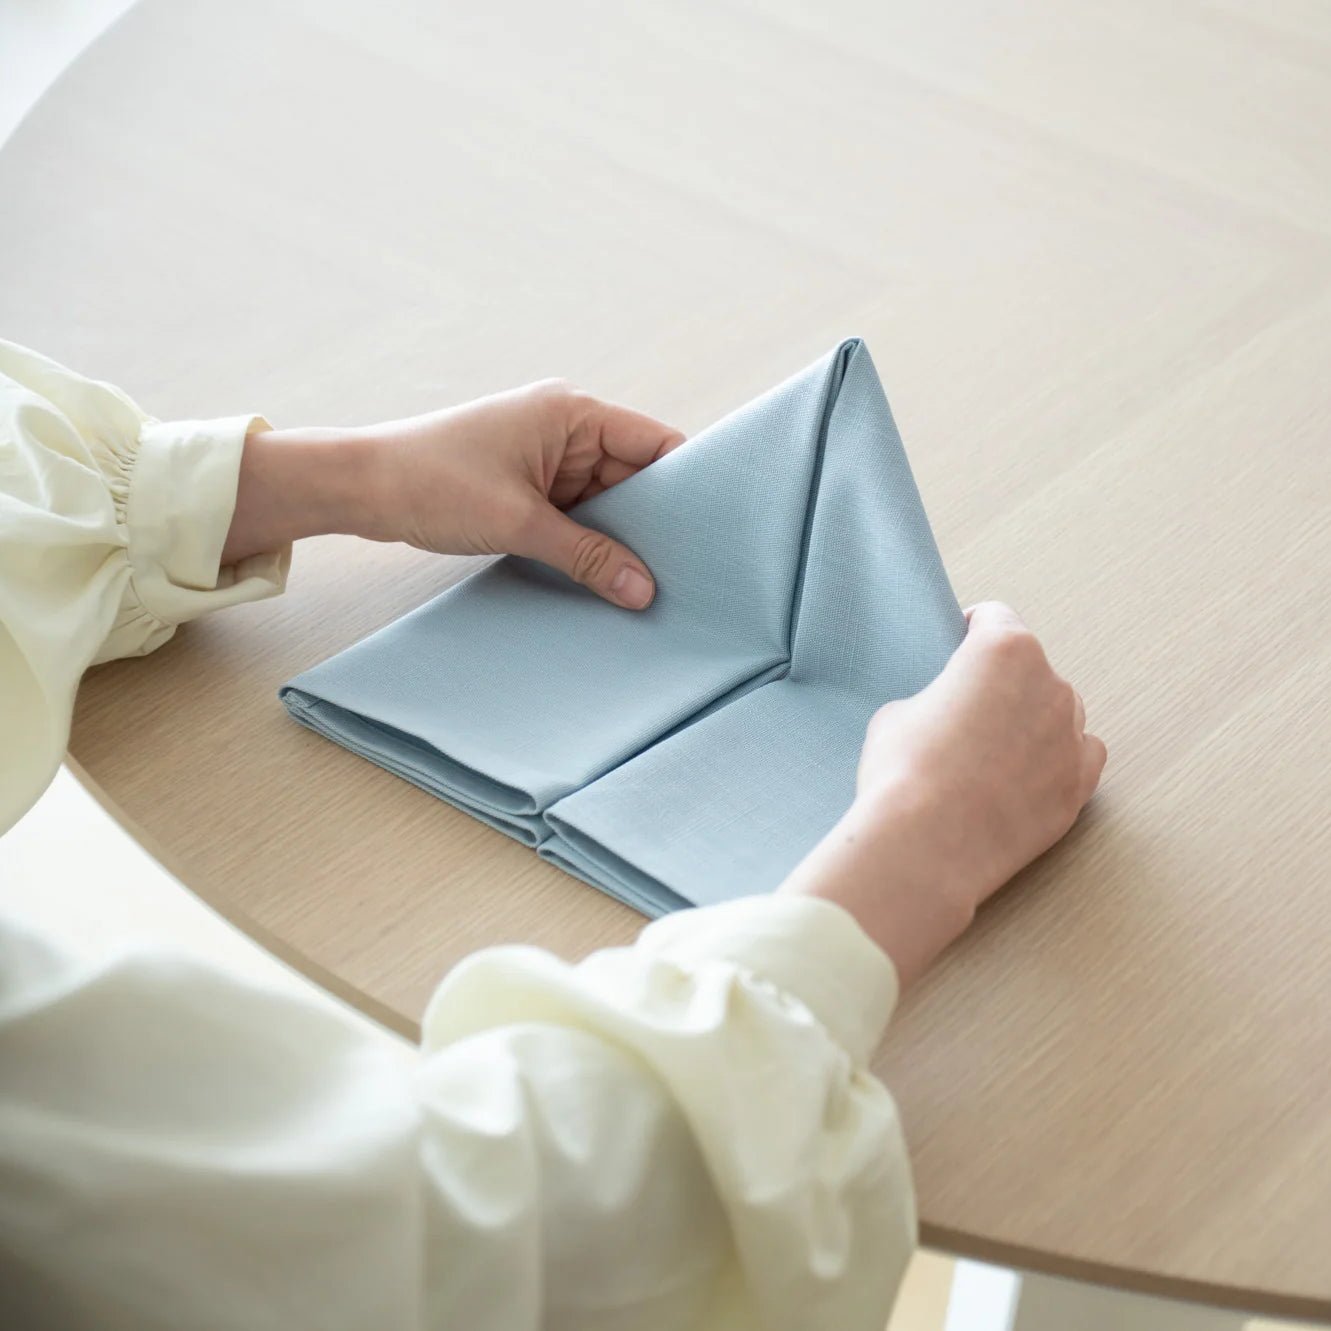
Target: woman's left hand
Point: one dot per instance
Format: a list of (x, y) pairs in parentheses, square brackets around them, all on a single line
[(492, 476)]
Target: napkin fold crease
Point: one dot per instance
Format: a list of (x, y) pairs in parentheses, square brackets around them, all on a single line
[(695, 751)]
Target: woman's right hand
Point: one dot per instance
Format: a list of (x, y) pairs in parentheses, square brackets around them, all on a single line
[(959, 788)]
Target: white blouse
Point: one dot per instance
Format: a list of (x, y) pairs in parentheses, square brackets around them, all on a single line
[(682, 1133)]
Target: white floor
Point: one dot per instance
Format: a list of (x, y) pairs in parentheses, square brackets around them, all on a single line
[(70, 869)]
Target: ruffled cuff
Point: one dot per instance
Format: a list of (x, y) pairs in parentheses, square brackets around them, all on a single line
[(809, 948)]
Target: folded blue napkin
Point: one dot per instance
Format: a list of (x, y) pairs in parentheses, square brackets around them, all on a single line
[(695, 751)]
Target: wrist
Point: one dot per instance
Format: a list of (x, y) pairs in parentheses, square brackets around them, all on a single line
[(892, 863), (298, 483)]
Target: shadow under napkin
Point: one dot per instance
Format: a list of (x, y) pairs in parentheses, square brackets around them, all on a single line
[(695, 751)]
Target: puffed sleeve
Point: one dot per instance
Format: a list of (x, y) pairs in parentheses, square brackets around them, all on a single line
[(680, 1135), (111, 533)]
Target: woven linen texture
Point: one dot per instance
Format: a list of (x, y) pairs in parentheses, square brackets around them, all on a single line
[(695, 751)]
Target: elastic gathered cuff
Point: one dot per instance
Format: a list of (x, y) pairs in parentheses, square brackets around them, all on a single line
[(178, 492), (807, 947)]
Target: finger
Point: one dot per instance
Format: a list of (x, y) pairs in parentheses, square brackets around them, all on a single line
[(590, 557), (1093, 758), (611, 471), (586, 483), (1079, 713), (630, 436), (572, 487), (994, 617)]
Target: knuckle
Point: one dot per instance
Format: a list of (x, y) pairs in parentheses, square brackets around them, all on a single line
[(555, 397), (1064, 701), (1016, 648), (1076, 789), (567, 407), (591, 556), (879, 720), (995, 617), (554, 388)]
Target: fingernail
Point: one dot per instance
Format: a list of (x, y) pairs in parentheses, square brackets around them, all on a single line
[(631, 589)]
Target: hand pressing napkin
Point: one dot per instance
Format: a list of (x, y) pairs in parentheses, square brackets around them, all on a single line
[(695, 751)]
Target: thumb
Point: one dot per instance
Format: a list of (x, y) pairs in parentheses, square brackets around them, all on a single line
[(590, 557)]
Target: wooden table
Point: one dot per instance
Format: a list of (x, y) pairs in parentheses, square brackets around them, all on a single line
[(1089, 243)]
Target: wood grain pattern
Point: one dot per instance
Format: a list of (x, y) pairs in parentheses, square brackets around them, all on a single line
[(1089, 244)]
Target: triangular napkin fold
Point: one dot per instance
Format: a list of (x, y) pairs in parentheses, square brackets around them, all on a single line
[(695, 751)]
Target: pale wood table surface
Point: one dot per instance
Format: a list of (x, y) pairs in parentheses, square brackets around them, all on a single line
[(1089, 244)]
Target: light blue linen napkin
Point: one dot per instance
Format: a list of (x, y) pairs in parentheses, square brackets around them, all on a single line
[(695, 751)]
